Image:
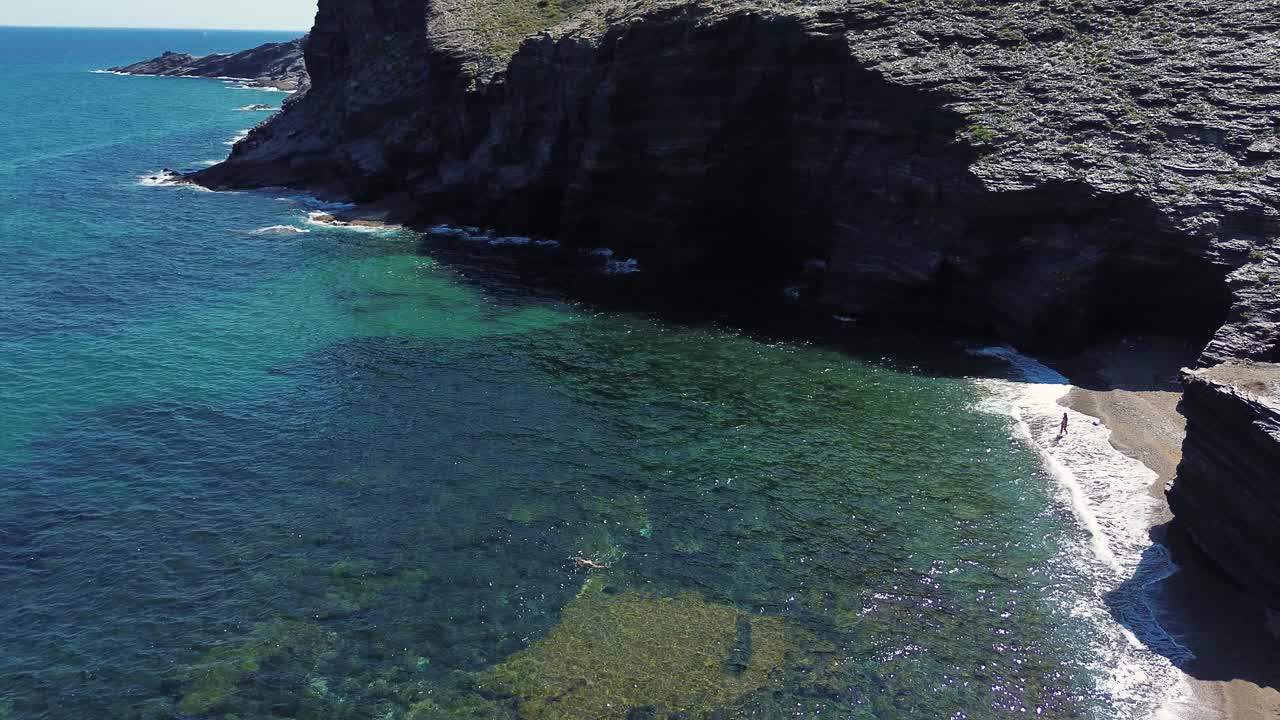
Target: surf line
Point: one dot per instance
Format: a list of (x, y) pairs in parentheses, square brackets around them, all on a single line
[(1106, 490)]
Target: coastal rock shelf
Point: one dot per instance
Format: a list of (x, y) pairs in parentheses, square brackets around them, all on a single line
[(1226, 495), (277, 65)]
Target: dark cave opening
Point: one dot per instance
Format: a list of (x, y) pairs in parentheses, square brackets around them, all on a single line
[(1184, 296)]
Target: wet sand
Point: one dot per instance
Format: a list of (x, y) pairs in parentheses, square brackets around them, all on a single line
[(1132, 386)]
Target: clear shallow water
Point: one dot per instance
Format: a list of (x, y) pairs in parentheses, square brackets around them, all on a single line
[(341, 474)]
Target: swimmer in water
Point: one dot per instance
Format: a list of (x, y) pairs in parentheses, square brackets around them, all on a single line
[(1062, 429)]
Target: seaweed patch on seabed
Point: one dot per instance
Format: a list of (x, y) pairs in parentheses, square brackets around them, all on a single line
[(215, 679), (627, 654), (617, 653)]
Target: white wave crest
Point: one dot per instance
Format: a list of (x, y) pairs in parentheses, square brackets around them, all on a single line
[(260, 88), (281, 230), (239, 136), (169, 178)]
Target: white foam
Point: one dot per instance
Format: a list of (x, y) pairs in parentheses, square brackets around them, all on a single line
[(239, 136), (1108, 490), (208, 163), (261, 88), (281, 230), (168, 178), (323, 219), (1109, 495), (257, 108), (475, 234), (622, 267), (518, 241)]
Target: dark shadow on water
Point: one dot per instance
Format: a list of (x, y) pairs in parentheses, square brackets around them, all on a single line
[(1196, 617), (530, 274)]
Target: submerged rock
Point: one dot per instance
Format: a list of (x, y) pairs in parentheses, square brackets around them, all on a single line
[(630, 655), (216, 677)]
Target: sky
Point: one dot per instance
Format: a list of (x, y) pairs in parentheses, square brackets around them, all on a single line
[(202, 14)]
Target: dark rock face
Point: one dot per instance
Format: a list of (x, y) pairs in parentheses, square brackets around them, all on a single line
[(279, 65), (1029, 169), (1227, 494)]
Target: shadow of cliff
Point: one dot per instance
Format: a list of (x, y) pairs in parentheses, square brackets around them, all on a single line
[(568, 276), (1143, 361), (1195, 616)]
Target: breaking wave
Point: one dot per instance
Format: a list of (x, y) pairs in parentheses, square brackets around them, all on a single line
[(1109, 495)]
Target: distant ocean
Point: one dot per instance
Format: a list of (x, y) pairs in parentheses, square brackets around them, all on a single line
[(253, 467)]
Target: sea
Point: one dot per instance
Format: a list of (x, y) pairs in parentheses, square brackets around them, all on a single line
[(257, 466)]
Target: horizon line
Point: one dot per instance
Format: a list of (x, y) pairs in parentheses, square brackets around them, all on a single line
[(157, 27)]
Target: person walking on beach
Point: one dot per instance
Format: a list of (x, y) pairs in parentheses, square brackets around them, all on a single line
[(1062, 429)]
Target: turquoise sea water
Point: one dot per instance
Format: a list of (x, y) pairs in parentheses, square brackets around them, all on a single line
[(341, 474)]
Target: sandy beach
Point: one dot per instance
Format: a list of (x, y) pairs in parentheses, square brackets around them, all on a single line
[(1131, 385)]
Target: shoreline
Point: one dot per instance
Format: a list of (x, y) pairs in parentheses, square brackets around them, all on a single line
[(1131, 387)]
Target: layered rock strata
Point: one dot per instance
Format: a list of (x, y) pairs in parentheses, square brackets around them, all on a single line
[(1227, 494)]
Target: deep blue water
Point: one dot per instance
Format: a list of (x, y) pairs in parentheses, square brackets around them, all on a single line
[(335, 474)]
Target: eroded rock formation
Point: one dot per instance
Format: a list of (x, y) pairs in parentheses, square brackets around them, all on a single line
[(279, 65), (1227, 495)]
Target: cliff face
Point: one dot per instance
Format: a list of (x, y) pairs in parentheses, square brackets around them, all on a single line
[(279, 65), (1227, 495), (1044, 170)]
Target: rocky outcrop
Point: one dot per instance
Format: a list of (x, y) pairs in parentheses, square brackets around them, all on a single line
[(1227, 494), (1042, 170), (278, 65)]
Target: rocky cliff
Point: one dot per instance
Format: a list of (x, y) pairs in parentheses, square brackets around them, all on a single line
[(1227, 495), (279, 65), (1047, 171)]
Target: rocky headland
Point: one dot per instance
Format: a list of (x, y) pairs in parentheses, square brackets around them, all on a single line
[(275, 65), (1047, 172)]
